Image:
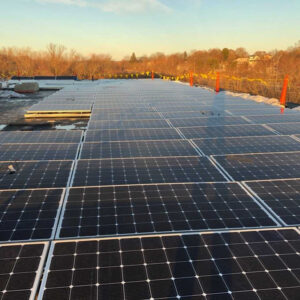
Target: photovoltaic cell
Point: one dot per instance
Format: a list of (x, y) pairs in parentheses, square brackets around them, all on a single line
[(282, 196), (145, 170), (20, 268), (34, 174), (225, 131), (208, 121), (17, 152), (261, 166), (128, 124), (138, 149), (230, 265), (133, 209), (38, 137), (258, 144), (28, 214), (131, 134)]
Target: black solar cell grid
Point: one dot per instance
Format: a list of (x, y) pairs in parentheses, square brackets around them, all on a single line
[(282, 196), (131, 134), (225, 131), (286, 128), (28, 214), (138, 149), (255, 111), (121, 110), (38, 137), (145, 170), (261, 166), (258, 144), (231, 265), (212, 121), (19, 271), (125, 116), (34, 174), (60, 107), (194, 114), (278, 118), (13, 152), (122, 105), (173, 108), (128, 124), (134, 209), (207, 105)]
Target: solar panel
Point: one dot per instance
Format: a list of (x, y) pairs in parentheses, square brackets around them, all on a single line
[(145, 170), (278, 118), (261, 166), (21, 267), (128, 124), (282, 196), (230, 265), (225, 131), (38, 137), (258, 144), (13, 152), (255, 111), (134, 209), (34, 174), (138, 149), (59, 107), (194, 114), (208, 121), (286, 128), (122, 110), (28, 214), (125, 116), (131, 134)]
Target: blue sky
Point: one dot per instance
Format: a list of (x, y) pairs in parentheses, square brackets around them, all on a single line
[(119, 27)]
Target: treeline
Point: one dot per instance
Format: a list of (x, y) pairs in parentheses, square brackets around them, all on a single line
[(235, 65)]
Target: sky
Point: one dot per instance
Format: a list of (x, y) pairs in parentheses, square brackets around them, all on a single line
[(120, 27)]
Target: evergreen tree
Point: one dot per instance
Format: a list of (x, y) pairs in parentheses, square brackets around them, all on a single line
[(133, 58), (185, 56), (225, 53)]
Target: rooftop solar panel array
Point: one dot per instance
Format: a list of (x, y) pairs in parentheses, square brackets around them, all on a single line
[(171, 192)]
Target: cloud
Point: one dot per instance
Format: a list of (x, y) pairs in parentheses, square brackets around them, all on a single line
[(116, 6)]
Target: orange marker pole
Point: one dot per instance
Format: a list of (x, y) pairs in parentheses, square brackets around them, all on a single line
[(284, 90), (152, 75), (191, 79), (218, 82)]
